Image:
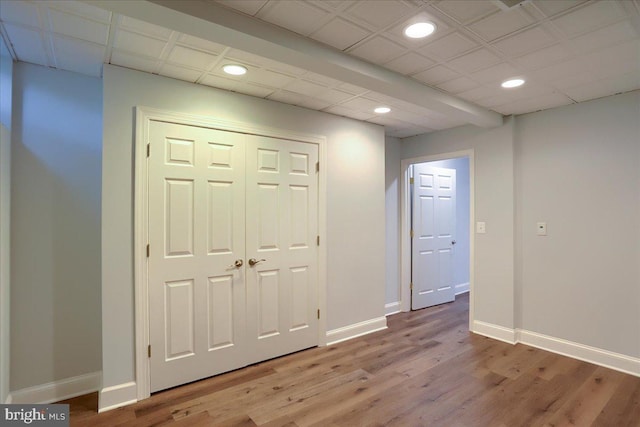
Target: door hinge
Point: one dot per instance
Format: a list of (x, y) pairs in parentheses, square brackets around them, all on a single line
[(410, 233), (318, 313), (317, 166), (147, 250), (148, 149), (149, 350), (317, 240), (411, 286), (411, 180)]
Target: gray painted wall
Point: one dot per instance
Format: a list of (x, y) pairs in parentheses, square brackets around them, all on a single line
[(578, 169), (6, 84), (355, 199), (55, 228), (392, 211)]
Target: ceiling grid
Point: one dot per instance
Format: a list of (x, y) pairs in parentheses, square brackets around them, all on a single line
[(568, 51)]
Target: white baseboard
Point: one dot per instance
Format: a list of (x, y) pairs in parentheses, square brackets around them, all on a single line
[(58, 390), (494, 331), (461, 288), (608, 359), (116, 396), (392, 308), (356, 330), (597, 356)]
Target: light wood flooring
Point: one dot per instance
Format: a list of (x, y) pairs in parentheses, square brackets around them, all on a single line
[(426, 369)]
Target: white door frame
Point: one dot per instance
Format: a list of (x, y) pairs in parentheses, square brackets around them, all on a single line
[(405, 223), (144, 117)]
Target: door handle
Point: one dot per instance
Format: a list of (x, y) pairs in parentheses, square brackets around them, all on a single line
[(453, 242), (254, 261), (237, 264)]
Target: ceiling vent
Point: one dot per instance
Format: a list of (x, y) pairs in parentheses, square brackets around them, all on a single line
[(509, 4)]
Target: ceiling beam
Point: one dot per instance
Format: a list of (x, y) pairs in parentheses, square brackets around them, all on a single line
[(219, 24)]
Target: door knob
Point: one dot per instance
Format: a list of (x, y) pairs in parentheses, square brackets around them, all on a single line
[(254, 261), (453, 242), (237, 264)]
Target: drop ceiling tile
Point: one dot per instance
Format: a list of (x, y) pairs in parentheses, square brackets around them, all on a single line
[(573, 80), (333, 96), (304, 87), (623, 83), (253, 90), (80, 28), (466, 11), (613, 34), (385, 12), (348, 112), (589, 18), (458, 85), (449, 46), (361, 104), (180, 73), (200, 44), (553, 7), (409, 63), (142, 27), (27, 44), (353, 89), (340, 34), (478, 93), (19, 12), (191, 58), (219, 82), (496, 73), (298, 99), (302, 18), (81, 9), (524, 42), (250, 7), (435, 75), (78, 56), (262, 62), (543, 57), (534, 104), (136, 62), (323, 80), (500, 24), (588, 91), (477, 60), (137, 43), (378, 50), (619, 59), (494, 101), (269, 78), (563, 69)]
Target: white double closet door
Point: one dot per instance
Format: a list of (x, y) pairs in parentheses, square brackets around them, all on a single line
[(218, 199)]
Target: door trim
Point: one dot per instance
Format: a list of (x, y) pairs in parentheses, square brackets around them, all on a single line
[(143, 118), (405, 226)]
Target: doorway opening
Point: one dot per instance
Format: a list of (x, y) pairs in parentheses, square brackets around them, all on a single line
[(437, 213)]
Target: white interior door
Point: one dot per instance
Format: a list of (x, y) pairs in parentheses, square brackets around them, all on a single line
[(217, 199), (282, 225), (196, 233), (434, 210)]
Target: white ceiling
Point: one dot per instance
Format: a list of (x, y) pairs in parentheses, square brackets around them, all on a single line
[(568, 51)]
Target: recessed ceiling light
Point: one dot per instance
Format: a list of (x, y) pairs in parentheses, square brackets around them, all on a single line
[(382, 110), (512, 83), (419, 30), (235, 70)]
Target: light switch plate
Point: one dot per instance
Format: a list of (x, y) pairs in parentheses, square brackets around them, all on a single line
[(541, 228), (481, 227)]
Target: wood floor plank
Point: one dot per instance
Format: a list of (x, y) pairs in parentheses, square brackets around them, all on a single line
[(425, 369)]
